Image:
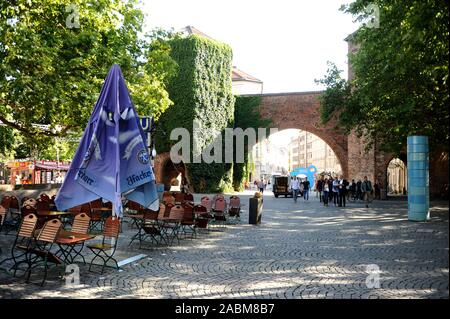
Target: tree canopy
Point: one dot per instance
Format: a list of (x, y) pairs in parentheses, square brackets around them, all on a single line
[(400, 71), (55, 55)]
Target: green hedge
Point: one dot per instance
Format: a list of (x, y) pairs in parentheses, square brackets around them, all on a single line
[(201, 90)]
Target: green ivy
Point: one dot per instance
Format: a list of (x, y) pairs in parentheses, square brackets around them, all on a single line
[(246, 115), (202, 91)]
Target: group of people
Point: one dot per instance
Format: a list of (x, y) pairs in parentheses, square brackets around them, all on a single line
[(300, 187), (336, 190)]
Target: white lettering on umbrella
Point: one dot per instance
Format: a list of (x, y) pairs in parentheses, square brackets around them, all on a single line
[(104, 117), (135, 141), (125, 136), (97, 152)]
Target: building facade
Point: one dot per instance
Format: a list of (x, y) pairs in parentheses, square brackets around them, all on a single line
[(308, 149)]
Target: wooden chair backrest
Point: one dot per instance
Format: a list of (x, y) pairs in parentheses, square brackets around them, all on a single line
[(2, 214), (188, 212), (169, 207), (189, 197), (168, 199), (6, 200), (42, 205), (149, 214), (27, 209), (81, 223), (199, 209), (14, 203), (24, 199), (45, 197), (112, 227), (205, 201), (75, 210), (50, 231), (133, 205), (96, 203), (220, 204), (235, 201), (85, 208), (161, 211), (177, 212), (179, 197), (27, 226)]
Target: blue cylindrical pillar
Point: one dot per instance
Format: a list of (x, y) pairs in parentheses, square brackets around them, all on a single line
[(418, 178)]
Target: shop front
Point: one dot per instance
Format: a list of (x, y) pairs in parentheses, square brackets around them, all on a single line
[(25, 172)]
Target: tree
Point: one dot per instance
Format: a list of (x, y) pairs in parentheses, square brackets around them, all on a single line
[(400, 75), (52, 67)]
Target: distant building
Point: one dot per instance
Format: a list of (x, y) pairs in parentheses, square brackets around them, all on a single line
[(308, 149), (268, 159), (243, 83)]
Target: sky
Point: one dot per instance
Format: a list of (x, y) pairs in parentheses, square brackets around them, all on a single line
[(284, 43)]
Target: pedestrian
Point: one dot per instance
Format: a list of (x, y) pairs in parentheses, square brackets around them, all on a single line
[(351, 190), (319, 188), (295, 186), (261, 186), (359, 194), (335, 190), (306, 187), (366, 188), (377, 190), (326, 191), (342, 189)]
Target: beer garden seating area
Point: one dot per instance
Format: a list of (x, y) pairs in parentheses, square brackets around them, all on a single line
[(44, 236)]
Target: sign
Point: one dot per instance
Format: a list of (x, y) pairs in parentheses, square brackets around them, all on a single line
[(146, 123)]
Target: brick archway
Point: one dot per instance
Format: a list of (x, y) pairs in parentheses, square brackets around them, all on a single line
[(302, 111)]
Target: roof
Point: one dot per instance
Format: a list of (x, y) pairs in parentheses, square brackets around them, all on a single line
[(191, 30), (239, 75)]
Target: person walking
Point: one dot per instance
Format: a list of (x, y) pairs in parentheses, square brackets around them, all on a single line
[(319, 188), (295, 186), (335, 190), (366, 188), (359, 194), (326, 191), (261, 186), (342, 189), (306, 186)]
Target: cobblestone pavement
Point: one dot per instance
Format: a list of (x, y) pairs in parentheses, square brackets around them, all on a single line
[(300, 250)]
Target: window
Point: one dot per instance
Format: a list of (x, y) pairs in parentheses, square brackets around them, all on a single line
[(309, 155), (302, 138), (302, 147), (301, 155), (295, 150), (309, 146)]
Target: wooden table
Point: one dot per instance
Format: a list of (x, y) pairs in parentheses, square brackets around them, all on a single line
[(71, 244)]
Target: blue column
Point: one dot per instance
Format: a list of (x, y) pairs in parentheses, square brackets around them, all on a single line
[(418, 178)]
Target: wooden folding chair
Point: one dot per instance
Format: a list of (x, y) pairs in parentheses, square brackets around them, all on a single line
[(103, 250), (150, 227), (219, 211), (24, 238), (234, 209), (41, 251), (188, 221)]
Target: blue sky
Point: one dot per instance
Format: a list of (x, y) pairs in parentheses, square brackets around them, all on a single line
[(284, 43)]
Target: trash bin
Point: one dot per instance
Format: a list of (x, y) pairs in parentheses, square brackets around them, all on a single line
[(255, 211), (383, 194)]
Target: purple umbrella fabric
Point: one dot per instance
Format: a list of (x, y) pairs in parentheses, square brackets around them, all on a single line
[(112, 160)]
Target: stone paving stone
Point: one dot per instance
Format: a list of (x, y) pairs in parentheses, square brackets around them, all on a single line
[(301, 250)]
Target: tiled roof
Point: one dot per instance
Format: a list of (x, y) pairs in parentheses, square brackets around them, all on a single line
[(239, 75), (191, 30)]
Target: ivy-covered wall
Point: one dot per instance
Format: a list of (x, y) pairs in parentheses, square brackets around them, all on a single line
[(246, 115), (201, 90)]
